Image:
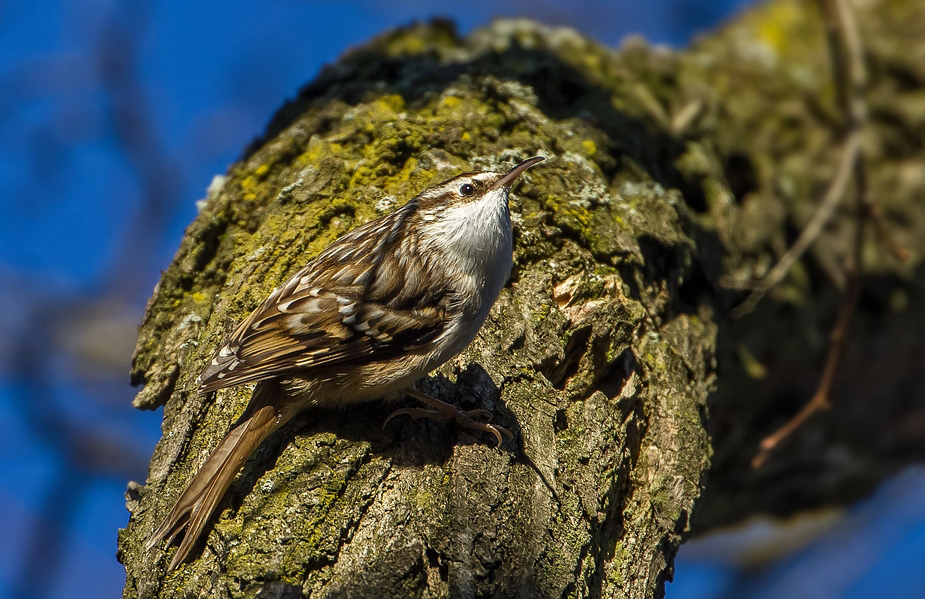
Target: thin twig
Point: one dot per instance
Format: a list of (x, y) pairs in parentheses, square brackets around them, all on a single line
[(830, 201), (850, 74), (850, 77), (838, 342), (885, 237)]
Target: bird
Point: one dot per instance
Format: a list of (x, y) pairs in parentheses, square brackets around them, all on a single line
[(374, 312)]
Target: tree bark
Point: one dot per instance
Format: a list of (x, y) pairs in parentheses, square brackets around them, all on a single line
[(666, 172)]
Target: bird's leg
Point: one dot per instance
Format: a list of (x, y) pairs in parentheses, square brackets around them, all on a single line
[(445, 411)]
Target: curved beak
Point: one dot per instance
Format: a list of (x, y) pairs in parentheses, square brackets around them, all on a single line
[(511, 176)]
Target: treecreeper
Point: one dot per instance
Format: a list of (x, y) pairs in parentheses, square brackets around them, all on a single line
[(374, 312)]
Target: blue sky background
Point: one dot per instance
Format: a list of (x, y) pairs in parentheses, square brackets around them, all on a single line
[(114, 116)]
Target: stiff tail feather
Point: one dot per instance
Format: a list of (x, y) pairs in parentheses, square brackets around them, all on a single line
[(195, 505)]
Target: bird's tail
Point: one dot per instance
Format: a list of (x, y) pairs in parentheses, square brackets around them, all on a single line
[(201, 496)]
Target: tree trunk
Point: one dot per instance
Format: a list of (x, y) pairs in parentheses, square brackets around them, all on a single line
[(664, 172)]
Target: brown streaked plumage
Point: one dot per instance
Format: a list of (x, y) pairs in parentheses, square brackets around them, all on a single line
[(378, 309)]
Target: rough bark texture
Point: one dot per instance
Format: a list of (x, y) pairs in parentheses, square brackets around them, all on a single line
[(589, 355), (665, 171)]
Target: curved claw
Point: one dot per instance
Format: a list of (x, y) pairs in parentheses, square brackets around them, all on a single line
[(416, 413), (393, 415), (494, 430)]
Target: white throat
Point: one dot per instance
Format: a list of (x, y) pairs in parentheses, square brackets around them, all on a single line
[(477, 237), (474, 240)]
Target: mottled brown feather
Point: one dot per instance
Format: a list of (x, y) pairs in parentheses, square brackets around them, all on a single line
[(376, 310), (353, 304)]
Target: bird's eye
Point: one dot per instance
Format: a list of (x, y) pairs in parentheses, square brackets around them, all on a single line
[(466, 189)]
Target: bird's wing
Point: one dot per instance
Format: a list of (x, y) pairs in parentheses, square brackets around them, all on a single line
[(360, 301)]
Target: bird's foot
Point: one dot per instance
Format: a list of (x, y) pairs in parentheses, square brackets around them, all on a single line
[(445, 411)]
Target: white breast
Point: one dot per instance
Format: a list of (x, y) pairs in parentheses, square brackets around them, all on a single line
[(475, 239)]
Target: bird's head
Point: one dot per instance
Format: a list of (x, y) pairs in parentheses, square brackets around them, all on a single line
[(483, 187)]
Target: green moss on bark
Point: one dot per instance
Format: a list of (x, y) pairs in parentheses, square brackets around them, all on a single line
[(667, 172), (588, 356)]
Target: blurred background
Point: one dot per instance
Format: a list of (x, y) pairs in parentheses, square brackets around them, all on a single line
[(114, 117)]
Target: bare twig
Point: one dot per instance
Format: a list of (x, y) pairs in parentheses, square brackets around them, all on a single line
[(885, 237), (84, 450), (838, 342), (850, 78), (158, 173), (850, 74), (830, 201)]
